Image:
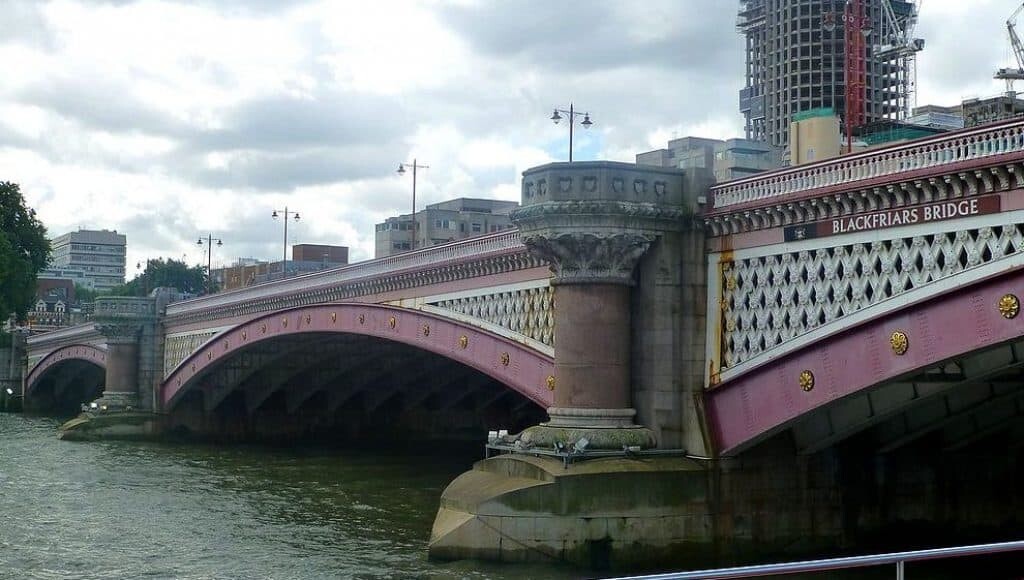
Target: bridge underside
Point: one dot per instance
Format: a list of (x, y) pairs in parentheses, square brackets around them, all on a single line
[(974, 399), (65, 386), (345, 387)]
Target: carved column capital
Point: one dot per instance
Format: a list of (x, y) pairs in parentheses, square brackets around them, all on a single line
[(585, 258)]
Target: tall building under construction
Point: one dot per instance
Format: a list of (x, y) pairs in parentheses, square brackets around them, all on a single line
[(797, 61)]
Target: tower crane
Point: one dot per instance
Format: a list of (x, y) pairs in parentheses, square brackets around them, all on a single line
[(1013, 74), (898, 45)]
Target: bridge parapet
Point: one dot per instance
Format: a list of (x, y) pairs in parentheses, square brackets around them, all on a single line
[(40, 345), (956, 164), (488, 254)]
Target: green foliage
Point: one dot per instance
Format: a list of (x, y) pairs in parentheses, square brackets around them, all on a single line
[(83, 294), (5, 339), (168, 273), (24, 251)]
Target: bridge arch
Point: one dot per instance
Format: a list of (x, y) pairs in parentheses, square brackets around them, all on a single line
[(519, 367), (66, 377), (958, 346)]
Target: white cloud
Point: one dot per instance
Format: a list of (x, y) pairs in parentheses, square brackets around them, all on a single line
[(167, 120)]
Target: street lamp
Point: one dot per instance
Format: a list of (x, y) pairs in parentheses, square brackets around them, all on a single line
[(401, 171), (209, 259), (284, 260), (556, 117)]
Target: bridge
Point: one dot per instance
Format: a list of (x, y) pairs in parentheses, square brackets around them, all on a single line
[(764, 362)]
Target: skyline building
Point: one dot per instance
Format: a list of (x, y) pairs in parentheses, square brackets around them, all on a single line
[(796, 62), (95, 258), (442, 222)]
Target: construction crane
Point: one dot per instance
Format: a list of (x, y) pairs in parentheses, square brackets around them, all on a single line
[(900, 48), (1013, 74)]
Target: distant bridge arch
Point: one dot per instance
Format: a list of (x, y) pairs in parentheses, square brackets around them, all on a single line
[(516, 365), (66, 377)]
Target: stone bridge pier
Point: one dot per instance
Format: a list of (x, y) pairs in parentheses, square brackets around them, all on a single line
[(627, 267), (131, 330)]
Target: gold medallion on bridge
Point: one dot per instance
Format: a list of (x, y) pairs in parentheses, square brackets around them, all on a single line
[(463, 341), (899, 341), (1009, 306), (362, 318), (806, 381), (245, 335), (392, 321), (505, 359), (284, 323), (334, 317), (551, 382), (426, 330)]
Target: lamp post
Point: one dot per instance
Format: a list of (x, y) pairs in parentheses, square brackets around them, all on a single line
[(209, 258), (284, 259), (401, 171), (572, 113)]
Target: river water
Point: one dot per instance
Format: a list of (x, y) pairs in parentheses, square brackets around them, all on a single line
[(154, 510), (104, 510)]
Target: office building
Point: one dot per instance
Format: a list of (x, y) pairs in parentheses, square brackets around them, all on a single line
[(982, 111), (306, 258), (95, 257), (438, 223), (729, 159)]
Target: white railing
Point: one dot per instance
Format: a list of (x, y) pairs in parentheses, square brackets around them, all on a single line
[(944, 149), (898, 558), (504, 241)]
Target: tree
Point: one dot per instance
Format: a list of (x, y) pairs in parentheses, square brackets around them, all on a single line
[(24, 252), (84, 294), (168, 273)]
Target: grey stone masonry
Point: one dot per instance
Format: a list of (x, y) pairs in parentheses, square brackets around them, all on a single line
[(595, 222), (129, 326)]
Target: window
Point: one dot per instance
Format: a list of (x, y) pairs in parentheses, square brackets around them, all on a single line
[(478, 228)]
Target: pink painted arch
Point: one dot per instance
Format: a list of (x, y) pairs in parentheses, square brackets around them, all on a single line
[(84, 352), (521, 368), (758, 404)]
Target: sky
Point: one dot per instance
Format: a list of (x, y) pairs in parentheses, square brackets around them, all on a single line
[(167, 121)]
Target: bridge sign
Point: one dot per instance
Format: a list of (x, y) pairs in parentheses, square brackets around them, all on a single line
[(932, 212)]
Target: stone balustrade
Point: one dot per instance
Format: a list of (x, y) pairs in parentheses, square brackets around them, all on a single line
[(124, 307), (942, 150), (500, 243)]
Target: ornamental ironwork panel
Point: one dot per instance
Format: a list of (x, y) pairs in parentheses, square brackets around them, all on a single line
[(177, 348), (529, 312), (769, 300)]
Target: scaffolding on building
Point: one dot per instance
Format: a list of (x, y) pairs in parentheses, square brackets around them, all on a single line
[(796, 60)]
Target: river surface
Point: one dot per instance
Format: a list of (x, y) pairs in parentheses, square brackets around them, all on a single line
[(153, 510), (104, 510)]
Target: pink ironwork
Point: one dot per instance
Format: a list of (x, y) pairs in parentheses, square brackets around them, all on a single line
[(84, 352), (754, 405), (516, 365)]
